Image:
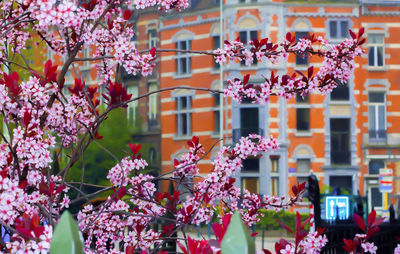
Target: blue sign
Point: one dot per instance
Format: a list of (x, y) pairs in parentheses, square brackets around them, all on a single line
[(292, 170), (337, 207)]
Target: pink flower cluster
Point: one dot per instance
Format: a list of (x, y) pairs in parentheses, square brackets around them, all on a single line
[(218, 186), (337, 66), (165, 5)]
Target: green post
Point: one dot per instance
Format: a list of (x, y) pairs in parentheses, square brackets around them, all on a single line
[(66, 237), (237, 239)]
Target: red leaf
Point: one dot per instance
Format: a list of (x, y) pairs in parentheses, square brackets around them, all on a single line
[(295, 190), (371, 218), (352, 34), (361, 32), (284, 226), (310, 71), (371, 232), (153, 51), (127, 14), (27, 118), (298, 220), (359, 221), (182, 247), (266, 251), (130, 249), (121, 192), (254, 234), (246, 79), (44, 189), (60, 188)]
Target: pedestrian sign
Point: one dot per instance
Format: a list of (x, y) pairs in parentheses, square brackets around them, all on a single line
[(337, 207), (385, 180)]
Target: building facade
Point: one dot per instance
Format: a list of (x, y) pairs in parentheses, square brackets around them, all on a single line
[(343, 138)]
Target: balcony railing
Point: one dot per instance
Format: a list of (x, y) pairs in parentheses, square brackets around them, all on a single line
[(243, 132), (340, 157), (377, 136)]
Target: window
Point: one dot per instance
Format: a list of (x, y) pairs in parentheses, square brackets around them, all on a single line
[(303, 113), (245, 37), (301, 99), (216, 45), (251, 184), (153, 102), (376, 197), (274, 175), (374, 166), (152, 38), (377, 116), (303, 166), (184, 115), (251, 165), (340, 141), (216, 113), (249, 122), (152, 155), (338, 29), (301, 59), (183, 59), (340, 93), (376, 51), (303, 172), (132, 107), (302, 119)]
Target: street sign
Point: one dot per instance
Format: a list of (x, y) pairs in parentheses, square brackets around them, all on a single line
[(337, 207), (385, 180)]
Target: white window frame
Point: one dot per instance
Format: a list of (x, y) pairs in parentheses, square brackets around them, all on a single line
[(179, 112), (153, 101), (338, 28), (376, 46), (376, 106), (152, 39), (181, 55), (273, 174), (246, 43), (132, 106)]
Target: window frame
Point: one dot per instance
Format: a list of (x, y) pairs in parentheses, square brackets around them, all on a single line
[(216, 44), (187, 111), (376, 106), (298, 58), (338, 29), (133, 106), (180, 56), (247, 46), (152, 39), (153, 101), (376, 46), (274, 174), (216, 113)]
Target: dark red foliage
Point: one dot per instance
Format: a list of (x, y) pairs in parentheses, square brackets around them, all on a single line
[(135, 151), (117, 94), (77, 88), (89, 5), (220, 229), (11, 82), (29, 227), (196, 247)]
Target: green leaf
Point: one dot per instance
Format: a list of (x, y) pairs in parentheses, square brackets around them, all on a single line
[(66, 237), (237, 239)]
